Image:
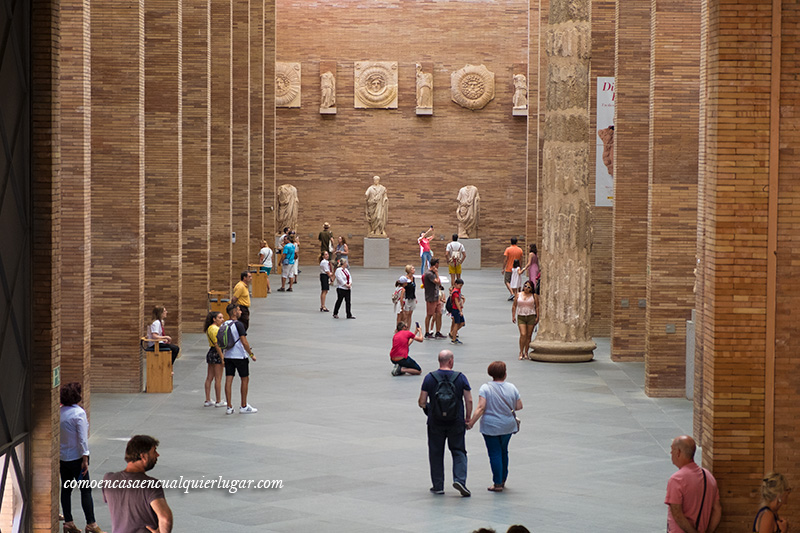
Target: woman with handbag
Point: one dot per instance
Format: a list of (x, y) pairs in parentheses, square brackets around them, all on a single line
[(498, 402)]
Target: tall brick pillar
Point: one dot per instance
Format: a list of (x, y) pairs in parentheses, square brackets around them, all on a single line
[(195, 136), (752, 256), (163, 161), (631, 129), (566, 218), (45, 293), (672, 227), (117, 195), (537, 66), (221, 74), (76, 237), (241, 137), (269, 121), (257, 121)]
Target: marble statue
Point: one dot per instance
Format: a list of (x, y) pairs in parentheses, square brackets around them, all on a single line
[(520, 99), (424, 88), (328, 85), (468, 211), (287, 207), (377, 208), (376, 84), (287, 84), (607, 136), (472, 87)]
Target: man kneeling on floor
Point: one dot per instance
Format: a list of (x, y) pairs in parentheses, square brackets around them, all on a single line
[(401, 342)]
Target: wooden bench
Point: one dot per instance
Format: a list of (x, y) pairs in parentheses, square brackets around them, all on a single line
[(218, 302), (260, 281), (159, 367)]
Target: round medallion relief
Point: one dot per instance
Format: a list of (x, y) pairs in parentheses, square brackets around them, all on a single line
[(375, 85), (472, 87), (287, 83)]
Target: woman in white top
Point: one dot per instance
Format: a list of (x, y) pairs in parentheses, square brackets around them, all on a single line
[(498, 402), (325, 278), (155, 332), (525, 314), (265, 258), (74, 455), (344, 282)]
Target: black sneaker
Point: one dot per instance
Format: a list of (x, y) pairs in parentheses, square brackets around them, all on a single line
[(460, 487), (437, 491), (439, 336), (429, 335)]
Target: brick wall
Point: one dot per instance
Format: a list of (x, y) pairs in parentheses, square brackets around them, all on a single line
[(423, 161), (270, 185), (672, 214), (117, 195), (629, 257), (257, 121), (240, 155)]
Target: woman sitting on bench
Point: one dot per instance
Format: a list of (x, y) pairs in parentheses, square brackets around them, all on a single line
[(155, 332)]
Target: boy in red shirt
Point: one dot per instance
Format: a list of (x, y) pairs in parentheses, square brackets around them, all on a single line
[(401, 342), (457, 302)]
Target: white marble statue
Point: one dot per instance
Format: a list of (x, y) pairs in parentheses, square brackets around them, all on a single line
[(377, 208), (520, 99), (328, 86), (287, 206), (468, 211), (424, 88)]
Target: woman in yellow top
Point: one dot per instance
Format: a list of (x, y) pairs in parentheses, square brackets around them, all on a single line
[(214, 358)]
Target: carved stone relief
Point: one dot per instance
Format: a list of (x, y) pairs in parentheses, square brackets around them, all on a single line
[(287, 84), (424, 88), (328, 88), (520, 99), (376, 84), (472, 87), (288, 206), (468, 212)]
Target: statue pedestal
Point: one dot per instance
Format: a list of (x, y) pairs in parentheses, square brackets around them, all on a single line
[(424, 111), (376, 252), (327, 110), (562, 352), (473, 249), (519, 112)]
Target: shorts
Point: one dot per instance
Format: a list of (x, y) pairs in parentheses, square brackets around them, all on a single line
[(242, 366), (528, 320), (289, 270), (212, 357), (410, 305), (407, 363), (507, 277), (433, 308), (454, 269), (458, 316), (324, 281), (268, 270)]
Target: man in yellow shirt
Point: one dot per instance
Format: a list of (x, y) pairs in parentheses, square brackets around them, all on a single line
[(241, 297)]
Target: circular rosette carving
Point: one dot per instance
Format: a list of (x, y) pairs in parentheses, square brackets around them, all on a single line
[(472, 87), (287, 83), (376, 85)]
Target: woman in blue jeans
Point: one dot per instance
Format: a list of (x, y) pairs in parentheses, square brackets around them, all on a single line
[(498, 402)]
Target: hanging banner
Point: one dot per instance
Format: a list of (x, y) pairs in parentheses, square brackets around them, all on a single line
[(604, 153)]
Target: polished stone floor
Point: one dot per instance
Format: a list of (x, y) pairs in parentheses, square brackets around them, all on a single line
[(348, 440)]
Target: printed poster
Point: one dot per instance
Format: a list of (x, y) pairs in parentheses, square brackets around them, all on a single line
[(604, 137)]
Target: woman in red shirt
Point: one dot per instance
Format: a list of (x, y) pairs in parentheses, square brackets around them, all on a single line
[(401, 342)]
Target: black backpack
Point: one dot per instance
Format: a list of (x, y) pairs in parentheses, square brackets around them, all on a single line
[(448, 305), (225, 339), (445, 397)]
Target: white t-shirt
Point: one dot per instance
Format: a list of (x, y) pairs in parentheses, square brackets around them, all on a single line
[(238, 351), (324, 266), (156, 328), (267, 253), (456, 251)]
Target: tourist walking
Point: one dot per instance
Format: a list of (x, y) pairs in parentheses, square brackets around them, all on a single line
[(525, 314), (692, 493), (265, 256), (342, 250), (214, 357), (236, 361), (325, 278), (510, 254), (344, 282), (325, 238), (532, 267), (774, 493), (455, 253), (456, 311), (410, 295), (433, 303), (289, 264), (498, 402), (241, 297), (399, 298)]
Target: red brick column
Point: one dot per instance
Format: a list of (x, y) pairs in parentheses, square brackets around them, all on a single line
[(240, 205), (163, 161), (195, 136), (117, 195), (270, 185), (257, 121), (672, 226), (76, 237), (629, 255), (46, 254)]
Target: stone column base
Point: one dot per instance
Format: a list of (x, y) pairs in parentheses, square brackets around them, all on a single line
[(376, 252), (562, 352), (473, 249)]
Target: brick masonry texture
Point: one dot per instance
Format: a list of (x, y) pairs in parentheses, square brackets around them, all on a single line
[(257, 120), (240, 155), (629, 259), (672, 213)]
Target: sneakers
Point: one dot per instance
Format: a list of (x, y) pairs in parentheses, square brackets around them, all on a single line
[(456, 341), (439, 336), (248, 409), (335, 316), (289, 290), (429, 335), (437, 491), (281, 290), (510, 298), (351, 317), (220, 404), (208, 404), (396, 370), (229, 411), (460, 487)]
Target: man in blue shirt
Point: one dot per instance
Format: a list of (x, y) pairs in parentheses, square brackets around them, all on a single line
[(447, 427), (289, 261)]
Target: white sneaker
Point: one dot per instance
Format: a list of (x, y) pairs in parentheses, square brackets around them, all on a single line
[(208, 404), (249, 409), (229, 411), (220, 404)]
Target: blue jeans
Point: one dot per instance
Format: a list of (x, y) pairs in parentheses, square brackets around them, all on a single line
[(454, 435), (426, 261), (497, 446)]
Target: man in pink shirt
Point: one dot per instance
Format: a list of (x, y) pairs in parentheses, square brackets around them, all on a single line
[(692, 493)]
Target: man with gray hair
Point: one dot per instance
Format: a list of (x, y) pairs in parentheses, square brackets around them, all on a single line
[(447, 401), (692, 493)]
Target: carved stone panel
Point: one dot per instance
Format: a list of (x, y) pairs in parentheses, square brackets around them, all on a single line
[(472, 87), (287, 84), (376, 84)]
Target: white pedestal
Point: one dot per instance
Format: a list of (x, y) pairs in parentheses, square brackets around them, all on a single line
[(519, 112), (424, 111), (376, 253), (473, 249), (327, 110)]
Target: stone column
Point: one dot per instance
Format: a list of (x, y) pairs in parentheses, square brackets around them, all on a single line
[(565, 304)]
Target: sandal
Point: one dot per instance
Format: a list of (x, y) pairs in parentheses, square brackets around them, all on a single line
[(495, 488)]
